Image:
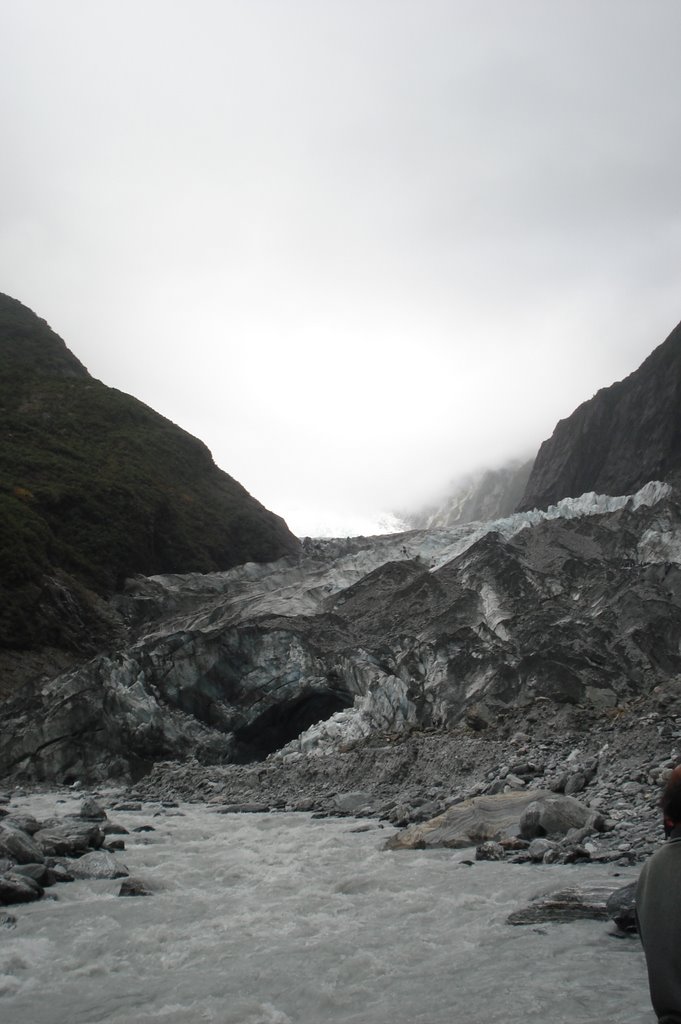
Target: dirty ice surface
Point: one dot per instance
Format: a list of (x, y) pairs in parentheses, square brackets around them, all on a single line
[(283, 919), (303, 586)]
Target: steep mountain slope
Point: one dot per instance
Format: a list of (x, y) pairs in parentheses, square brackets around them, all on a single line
[(425, 629), (490, 494), (624, 436), (96, 487)]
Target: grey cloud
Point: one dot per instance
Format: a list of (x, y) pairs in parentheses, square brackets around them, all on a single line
[(358, 247)]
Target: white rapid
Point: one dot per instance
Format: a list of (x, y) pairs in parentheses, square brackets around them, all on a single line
[(281, 919)]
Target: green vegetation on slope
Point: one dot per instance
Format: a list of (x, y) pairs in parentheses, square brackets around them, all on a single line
[(96, 484)]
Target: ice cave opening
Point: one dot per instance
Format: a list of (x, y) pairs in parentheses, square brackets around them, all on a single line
[(281, 723)]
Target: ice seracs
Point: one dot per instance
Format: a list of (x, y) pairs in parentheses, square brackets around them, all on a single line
[(371, 635)]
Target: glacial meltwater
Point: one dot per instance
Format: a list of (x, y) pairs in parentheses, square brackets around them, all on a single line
[(283, 919)]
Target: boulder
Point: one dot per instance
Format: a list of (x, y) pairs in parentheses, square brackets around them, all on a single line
[(98, 864), (133, 887), (352, 803), (538, 849), (490, 851), (38, 872), (578, 835), (575, 784), (469, 823), (621, 907), (18, 889), (19, 846), (24, 822), (58, 872), (68, 837), (551, 815), (111, 828), (92, 811), (570, 904)]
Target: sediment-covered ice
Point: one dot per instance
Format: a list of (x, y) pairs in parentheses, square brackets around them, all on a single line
[(301, 588)]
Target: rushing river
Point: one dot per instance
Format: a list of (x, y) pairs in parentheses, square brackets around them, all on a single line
[(281, 919)]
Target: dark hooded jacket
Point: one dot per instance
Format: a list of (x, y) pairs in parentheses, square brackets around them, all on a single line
[(658, 909)]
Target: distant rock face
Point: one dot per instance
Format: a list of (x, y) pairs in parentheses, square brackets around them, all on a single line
[(624, 436), (491, 494), (96, 487), (383, 634)]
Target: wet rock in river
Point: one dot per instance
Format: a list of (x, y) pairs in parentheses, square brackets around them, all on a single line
[(490, 851), (98, 864), (91, 810), (621, 907), (68, 837), (570, 904), (16, 888), (59, 872), (246, 808), (19, 847), (40, 873), (110, 828), (24, 822), (133, 887)]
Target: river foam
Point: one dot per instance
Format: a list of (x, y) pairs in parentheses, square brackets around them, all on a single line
[(283, 919)]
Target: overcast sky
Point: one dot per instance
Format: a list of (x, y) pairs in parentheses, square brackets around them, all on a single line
[(359, 247)]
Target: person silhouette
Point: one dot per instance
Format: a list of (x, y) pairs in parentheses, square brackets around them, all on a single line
[(658, 909)]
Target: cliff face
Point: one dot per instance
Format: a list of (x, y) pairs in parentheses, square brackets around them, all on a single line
[(95, 487), (624, 436)]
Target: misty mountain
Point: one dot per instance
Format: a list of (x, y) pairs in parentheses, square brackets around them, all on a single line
[(96, 487), (488, 494), (625, 435)]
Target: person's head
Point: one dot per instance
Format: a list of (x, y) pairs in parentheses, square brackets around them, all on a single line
[(670, 801)]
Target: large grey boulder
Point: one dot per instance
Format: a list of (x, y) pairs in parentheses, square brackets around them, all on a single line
[(19, 847), (570, 904), (68, 837), (98, 864), (18, 889), (470, 823), (40, 873), (24, 822), (551, 815)]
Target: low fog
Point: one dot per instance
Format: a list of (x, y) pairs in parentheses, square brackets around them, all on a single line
[(361, 248)]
